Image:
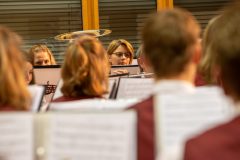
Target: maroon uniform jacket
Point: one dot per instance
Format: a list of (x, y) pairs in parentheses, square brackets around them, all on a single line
[(65, 99), (7, 108), (145, 113), (145, 129), (220, 143)]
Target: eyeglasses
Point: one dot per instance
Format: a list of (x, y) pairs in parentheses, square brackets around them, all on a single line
[(120, 54)]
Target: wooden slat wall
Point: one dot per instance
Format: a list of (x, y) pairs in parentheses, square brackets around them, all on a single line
[(204, 10), (125, 18), (39, 21)]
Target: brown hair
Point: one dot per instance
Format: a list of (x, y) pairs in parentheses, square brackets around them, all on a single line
[(41, 48), (168, 37), (226, 47), (120, 42), (206, 67), (13, 88), (29, 58), (85, 69)]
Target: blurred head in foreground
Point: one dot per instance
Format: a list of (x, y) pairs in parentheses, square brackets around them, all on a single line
[(171, 44), (226, 48), (14, 94)]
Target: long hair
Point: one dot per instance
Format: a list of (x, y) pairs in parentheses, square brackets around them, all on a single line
[(41, 48), (85, 69), (225, 46), (207, 63), (13, 88)]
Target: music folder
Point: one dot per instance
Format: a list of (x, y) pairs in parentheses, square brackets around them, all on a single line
[(184, 115), (37, 93), (138, 88), (68, 136), (131, 69), (47, 76)]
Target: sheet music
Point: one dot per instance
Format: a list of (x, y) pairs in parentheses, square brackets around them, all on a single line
[(111, 86), (16, 140), (58, 92), (135, 87), (48, 77), (181, 116), (92, 136), (93, 105), (37, 93)]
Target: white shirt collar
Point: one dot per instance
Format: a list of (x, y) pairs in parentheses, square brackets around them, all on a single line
[(173, 86)]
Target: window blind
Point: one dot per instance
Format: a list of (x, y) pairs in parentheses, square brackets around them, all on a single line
[(125, 18), (39, 21), (203, 10)]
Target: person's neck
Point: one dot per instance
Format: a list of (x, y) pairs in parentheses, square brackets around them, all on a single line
[(188, 75)]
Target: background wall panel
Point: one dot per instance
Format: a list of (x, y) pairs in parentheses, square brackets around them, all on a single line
[(204, 10), (125, 18), (39, 21)]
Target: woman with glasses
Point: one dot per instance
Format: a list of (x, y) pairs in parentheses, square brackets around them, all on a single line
[(120, 52)]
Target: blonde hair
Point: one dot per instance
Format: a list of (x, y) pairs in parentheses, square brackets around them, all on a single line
[(41, 48), (120, 42), (85, 68), (13, 88)]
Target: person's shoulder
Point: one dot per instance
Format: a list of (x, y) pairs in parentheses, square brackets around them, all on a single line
[(214, 141), (219, 133), (66, 99), (146, 104), (60, 99), (7, 108)]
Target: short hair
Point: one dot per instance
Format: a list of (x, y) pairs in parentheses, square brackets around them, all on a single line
[(226, 46), (85, 68), (41, 48), (168, 37), (13, 88), (120, 42)]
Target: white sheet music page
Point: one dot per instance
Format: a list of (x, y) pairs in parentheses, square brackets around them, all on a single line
[(92, 136), (181, 116), (16, 140), (96, 104), (37, 93), (135, 87), (58, 92), (111, 86)]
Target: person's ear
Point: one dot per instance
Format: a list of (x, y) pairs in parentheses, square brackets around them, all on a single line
[(197, 52), (110, 59), (146, 61), (139, 60)]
